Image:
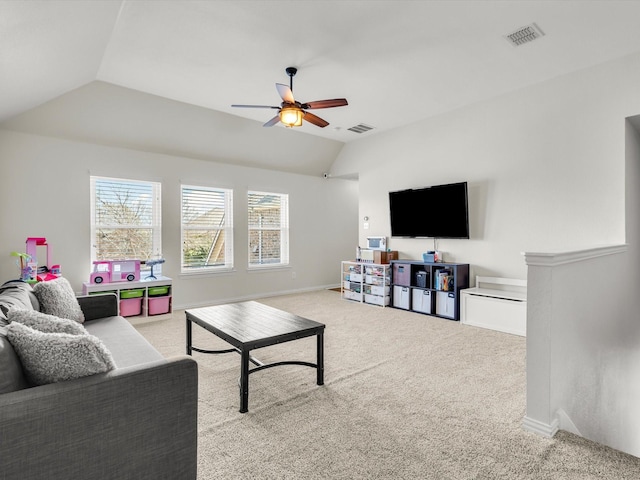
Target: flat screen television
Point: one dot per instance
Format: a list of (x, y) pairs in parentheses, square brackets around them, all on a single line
[(440, 211)]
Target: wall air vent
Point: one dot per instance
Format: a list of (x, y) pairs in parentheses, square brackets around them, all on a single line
[(360, 128), (524, 35)]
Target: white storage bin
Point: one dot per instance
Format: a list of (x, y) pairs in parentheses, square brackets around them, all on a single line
[(421, 300), (353, 296), (401, 297), (355, 277), (374, 280), (371, 270), (379, 290), (446, 304), (376, 300)]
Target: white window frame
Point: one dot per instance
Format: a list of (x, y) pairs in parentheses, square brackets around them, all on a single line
[(227, 227), (283, 228), (154, 220)]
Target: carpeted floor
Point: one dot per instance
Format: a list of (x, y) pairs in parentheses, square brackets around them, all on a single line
[(406, 396)]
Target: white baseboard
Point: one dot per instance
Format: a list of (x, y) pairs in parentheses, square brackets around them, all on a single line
[(246, 298), (540, 428)]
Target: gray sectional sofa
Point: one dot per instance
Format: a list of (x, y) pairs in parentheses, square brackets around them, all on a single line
[(137, 421)]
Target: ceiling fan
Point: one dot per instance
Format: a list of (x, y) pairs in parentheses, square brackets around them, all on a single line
[(291, 112)]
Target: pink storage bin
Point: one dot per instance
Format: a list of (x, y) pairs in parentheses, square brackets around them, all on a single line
[(130, 307), (159, 305), (402, 274)]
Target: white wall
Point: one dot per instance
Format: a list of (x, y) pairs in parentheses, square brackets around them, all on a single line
[(550, 168), (105, 114), (545, 167), (45, 192)]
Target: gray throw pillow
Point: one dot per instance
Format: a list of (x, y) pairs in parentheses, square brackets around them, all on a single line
[(57, 298), (46, 323), (56, 357), (16, 294)]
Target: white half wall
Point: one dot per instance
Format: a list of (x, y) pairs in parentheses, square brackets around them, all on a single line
[(583, 360), (45, 193)]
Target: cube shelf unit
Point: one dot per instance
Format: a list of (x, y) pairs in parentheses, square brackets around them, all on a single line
[(430, 288), (143, 297), (366, 283)]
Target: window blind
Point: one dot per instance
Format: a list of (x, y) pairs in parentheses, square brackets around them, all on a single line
[(268, 217), (207, 228), (125, 219)]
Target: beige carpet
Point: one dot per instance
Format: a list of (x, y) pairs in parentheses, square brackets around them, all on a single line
[(406, 396)]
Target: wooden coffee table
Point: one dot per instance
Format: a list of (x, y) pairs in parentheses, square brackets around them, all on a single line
[(251, 325)]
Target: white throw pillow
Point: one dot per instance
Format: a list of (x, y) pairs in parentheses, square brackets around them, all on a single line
[(45, 323), (56, 357), (57, 298)]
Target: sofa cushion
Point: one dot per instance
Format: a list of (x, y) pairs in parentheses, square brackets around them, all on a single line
[(127, 346), (11, 375), (45, 323), (16, 294), (57, 298), (55, 357)]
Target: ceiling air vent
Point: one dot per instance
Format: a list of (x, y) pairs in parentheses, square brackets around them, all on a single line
[(360, 128), (524, 35)]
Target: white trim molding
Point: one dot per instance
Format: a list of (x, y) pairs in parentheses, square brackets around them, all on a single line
[(540, 428), (561, 258)]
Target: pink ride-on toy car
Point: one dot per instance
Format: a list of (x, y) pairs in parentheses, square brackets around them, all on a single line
[(109, 271)]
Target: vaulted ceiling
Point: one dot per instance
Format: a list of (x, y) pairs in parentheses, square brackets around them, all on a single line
[(396, 62)]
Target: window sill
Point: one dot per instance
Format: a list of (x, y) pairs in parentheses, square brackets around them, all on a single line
[(267, 268), (208, 273)]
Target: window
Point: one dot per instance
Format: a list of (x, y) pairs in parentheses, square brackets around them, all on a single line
[(207, 229), (125, 219), (268, 229)]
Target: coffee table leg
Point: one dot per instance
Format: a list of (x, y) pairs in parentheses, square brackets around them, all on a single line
[(320, 360), (244, 381), (188, 337)]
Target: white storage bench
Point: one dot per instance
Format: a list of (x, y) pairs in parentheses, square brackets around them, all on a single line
[(496, 303)]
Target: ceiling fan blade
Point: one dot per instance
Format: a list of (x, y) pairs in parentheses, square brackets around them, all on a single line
[(311, 118), (272, 122), (255, 106), (336, 102), (285, 92)]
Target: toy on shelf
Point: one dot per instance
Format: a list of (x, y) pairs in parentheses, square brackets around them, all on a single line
[(32, 273), (109, 271), (44, 275), (27, 272), (152, 263)]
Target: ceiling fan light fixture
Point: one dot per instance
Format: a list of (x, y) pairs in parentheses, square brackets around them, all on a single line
[(291, 116), (291, 112)]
